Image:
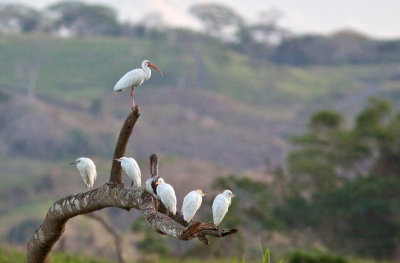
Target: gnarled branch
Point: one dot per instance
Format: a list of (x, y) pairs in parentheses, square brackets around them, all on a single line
[(120, 147), (113, 194)]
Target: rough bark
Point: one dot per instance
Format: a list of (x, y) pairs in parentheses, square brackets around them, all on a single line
[(120, 147), (113, 194)]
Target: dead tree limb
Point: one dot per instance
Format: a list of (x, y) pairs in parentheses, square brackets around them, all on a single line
[(113, 231), (113, 194), (120, 147)]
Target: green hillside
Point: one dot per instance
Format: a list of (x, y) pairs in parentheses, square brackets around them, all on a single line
[(83, 68), (225, 90), (215, 112)]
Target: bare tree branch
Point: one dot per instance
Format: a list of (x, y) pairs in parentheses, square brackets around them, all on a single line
[(113, 231), (113, 194), (120, 147)]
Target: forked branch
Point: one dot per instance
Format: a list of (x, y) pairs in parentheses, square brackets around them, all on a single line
[(113, 194)]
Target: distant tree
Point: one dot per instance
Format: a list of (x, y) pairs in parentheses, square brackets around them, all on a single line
[(219, 21), (353, 201), (259, 38), (266, 30), (342, 47), (77, 18), (16, 18), (361, 217), (326, 154), (152, 23)]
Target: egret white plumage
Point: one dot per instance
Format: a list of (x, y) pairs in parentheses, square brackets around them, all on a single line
[(220, 206), (87, 169), (191, 203), (167, 195), (151, 183), (132, 170), (135, 78)]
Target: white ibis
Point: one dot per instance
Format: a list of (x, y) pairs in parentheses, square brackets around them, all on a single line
[(167, 195), (135, 78), (220, 206), (191, 203), (132, 170), (87, 169), (151, 183)]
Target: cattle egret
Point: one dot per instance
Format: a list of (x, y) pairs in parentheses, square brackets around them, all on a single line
[(135, 78), (151, 183), (191, 203), (167, 195), (87, 169), (220, 206), (132, 170)]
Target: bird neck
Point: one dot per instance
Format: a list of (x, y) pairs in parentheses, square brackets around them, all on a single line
[(228, 197), (147, 72)]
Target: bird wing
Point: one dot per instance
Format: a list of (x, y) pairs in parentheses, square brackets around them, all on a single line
[(132, 170), (81, 169), (90, 171), (191, 203), (219, 208), (137, 175), (167, 195), (132, 78)]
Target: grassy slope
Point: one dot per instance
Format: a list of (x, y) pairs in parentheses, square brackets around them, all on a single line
[(73, 69), (268, 100), (9, 255), (73, 72), (12, 255)]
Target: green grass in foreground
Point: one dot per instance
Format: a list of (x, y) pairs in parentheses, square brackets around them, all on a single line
[(9, 255), (12, 255)]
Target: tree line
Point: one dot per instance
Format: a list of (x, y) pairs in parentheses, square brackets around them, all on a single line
[(263, 39), (342, 183)]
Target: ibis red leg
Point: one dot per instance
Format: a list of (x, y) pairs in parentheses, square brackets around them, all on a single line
[(132, 93), (133, 102)]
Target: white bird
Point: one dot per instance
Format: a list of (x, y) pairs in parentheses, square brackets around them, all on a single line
[(167, 195), (220, 206), (191, 203), (132, 170), (87, 169), (135, 78)]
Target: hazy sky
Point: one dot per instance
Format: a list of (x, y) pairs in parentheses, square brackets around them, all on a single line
[(379, 18)]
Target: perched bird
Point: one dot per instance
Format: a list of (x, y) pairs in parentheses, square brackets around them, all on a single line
[(151, 183), (135, 78), (167, 195), (220, 206), (191, 203), (87, 169), (132, 170)]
